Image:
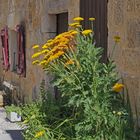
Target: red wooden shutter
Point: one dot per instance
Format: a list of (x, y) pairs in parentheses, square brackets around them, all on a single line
[(21, 64), (5, 48)]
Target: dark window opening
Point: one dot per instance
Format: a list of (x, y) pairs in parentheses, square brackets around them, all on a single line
[(62, 22), (62, 26), (21, 57)]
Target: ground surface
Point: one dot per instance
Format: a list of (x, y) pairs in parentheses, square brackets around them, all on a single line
[(8, 130)]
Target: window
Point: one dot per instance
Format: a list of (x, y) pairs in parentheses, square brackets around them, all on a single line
[(13, 50)]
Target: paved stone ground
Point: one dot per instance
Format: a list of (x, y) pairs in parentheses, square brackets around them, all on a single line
[(8, 130)]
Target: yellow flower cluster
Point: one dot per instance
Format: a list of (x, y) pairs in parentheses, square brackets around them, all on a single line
[(39, 134), (77, 22), (55, 48), (91, 19), (35, 62), (78, 19), (35, 46), (36, 55), (74, 24), (86, 32), (58, 47)]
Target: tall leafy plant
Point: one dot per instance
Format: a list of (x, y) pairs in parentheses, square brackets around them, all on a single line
[(88, 86)]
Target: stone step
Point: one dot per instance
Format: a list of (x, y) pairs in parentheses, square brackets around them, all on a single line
[(8, 130)]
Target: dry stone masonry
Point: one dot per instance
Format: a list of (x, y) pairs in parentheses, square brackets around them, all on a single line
[(125, 22)]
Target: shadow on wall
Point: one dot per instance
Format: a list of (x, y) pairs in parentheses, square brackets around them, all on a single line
[(134, 119)]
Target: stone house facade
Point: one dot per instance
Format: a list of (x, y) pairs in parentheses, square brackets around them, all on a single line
[(40, 18)]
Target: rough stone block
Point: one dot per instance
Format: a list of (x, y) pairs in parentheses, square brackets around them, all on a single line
[(11, 20), (132, 86), (118, 12), (57, 6), (15, 18), (137, 5), (130, 60), (133, 32), (51, 27), (130, 5), (11, 5)]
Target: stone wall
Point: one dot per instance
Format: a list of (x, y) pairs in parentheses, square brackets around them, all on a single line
[(124, 20), (39, 17)]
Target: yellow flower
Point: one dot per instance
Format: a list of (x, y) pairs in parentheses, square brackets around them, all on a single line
[(63, 39), (117, 39), (74, 32), (48, 54), (78, 26), (44, 51), (35, 62), (91, 19), (55, 56), (56, 48), (69, 62), (86, 32), (39, 134), (59, 53), (118, 87), (78, 19), (58, 36), (56, 41), (35, 46), (119, 113), (43, 62), (50, 40), (69, 36), (62, 46), (74, 24), (36, 55), (45, 46), (49, 44)]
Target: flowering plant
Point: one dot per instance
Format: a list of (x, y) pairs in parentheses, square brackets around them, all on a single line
[(87, 85)]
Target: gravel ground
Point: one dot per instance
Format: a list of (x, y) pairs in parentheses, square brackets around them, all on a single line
[(9, 130)]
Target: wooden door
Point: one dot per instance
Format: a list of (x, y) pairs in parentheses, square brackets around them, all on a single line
[(97, 9)]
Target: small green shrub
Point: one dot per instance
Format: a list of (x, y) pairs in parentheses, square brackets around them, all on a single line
[(13, 108), (44, 117)]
